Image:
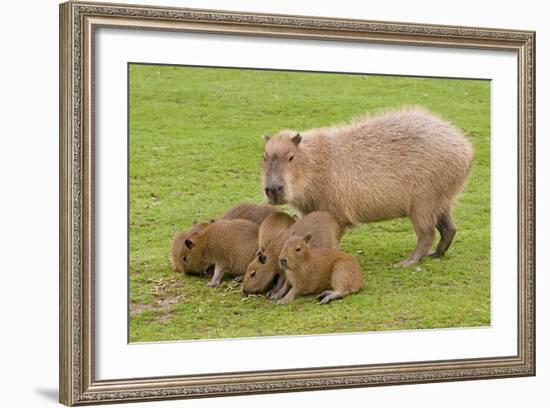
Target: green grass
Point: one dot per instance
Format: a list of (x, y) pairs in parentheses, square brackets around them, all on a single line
[(195, 150)]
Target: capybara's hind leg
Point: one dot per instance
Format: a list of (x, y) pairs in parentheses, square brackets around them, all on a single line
[(424, 226), (346, 278), (447, 229)]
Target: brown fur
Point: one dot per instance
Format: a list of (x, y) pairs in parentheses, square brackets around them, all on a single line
[(272, 226), (228, 244), (178, 245), (265, 268), (328, 272), (246, 211), (256, 213), (404, 163)]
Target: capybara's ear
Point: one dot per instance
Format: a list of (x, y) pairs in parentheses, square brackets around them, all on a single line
[(212, 221), (307, 237), (195, 222), (258, 253), (296, 139), (262, 259), (189, 244), (266, 137)]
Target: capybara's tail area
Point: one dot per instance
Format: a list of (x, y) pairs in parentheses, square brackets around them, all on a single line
[(346, 276)]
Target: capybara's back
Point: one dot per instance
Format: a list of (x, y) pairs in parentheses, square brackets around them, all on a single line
[(402, 163), (273, 225), (256, 213)]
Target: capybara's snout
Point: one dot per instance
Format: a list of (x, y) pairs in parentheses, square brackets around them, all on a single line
[(275, 193)]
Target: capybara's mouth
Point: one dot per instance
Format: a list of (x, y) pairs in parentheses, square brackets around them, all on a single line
[(275, 199)]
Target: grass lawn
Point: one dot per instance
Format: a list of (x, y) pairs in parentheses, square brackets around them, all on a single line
[(195, 150)]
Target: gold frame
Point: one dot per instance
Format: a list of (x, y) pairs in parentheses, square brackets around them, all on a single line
[(78, 22)]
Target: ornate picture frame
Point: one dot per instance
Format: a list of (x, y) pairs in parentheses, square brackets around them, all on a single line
[(78, 24)]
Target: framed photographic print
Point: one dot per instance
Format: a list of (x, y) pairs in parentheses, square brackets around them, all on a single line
[(256, 203)]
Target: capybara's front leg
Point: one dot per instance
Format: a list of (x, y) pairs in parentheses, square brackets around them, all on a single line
[(238, 278), (218, 275), (289, 297), (278, 285), (281, 292)]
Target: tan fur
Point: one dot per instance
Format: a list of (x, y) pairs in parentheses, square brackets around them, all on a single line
[(228, 244), (178, 244), (403, 163), (331, 273), (246, 211), (256, 213), (272, 226), (326, 233)]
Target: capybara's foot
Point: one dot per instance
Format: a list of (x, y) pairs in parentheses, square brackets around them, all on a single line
[(213, 283), (290, 295), (435, 254), (276, 295), (406, 263), (238, 279), (322, 295), (329, 296)]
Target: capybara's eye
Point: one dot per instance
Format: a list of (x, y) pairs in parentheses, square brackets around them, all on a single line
[(298, 249), (253, 274), (290, 158), (184, 258)]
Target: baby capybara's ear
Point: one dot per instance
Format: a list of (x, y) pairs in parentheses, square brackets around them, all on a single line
[(212, 221), (258, 253), (262, 259), (189, 244), (307, 237), (266, 137), (296, 139)]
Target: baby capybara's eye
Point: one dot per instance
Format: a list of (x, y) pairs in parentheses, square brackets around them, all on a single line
[(290, 158), (298, 249), (184, 258), (253, 274)]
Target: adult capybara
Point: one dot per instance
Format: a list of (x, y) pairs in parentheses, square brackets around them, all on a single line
[(265, 271), (402, 163), (246, 211), (229, 245), (332, 273)]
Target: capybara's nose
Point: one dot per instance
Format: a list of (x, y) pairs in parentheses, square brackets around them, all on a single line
[(274, 190), (245, 292), (283, 262)]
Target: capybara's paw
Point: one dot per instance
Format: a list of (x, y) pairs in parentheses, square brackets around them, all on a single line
[(211, 284), (276, 295), (283, 301), (238, 279), (434, 254), (405, 263), (322, 295), (329, 296)]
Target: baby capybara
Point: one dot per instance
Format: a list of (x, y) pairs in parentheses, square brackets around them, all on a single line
[(247, 211), (328, 272), (397, 164), (178, 245), (256, 213), (229, 245), (264, 271), (272, 226)]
